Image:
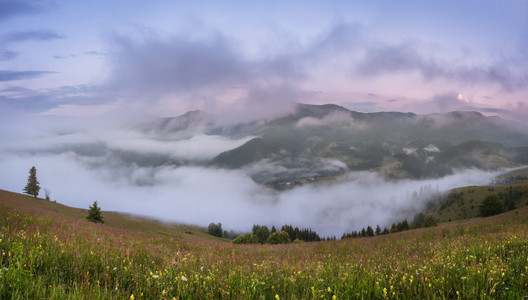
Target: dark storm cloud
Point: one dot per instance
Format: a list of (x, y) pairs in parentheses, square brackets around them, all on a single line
[(181, 64), (209, 74), (6, 54), (342, 38), (31, 35), (12, 8), (8, 75), (176, 64), (404, 58)]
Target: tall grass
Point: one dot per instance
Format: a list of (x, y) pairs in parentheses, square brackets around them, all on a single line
[(49, 256)]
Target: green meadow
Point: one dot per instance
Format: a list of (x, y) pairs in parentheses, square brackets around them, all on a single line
[(49, 251)]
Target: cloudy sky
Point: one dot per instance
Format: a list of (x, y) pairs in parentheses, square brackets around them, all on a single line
[(86, 59), (69, 69)]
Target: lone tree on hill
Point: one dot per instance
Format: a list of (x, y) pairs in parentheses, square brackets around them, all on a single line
[(94, 214), (32, 187)]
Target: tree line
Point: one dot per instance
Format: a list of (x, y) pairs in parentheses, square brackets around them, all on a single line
[(261, 234), (420, 220)]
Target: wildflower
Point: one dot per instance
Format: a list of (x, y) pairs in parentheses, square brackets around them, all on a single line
[(277, 297), (132, 297), (115, 268), (184, 278), (384, 292), (155, 276), (334, 297)]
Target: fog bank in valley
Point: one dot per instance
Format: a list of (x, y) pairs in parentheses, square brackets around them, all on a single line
[(196, 194)]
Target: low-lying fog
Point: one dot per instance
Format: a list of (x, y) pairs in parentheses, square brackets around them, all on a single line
[(78, 169)]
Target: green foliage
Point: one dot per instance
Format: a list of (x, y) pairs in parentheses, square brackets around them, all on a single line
[(418, 219), (430, 221), (510, 196), (262, 234), (492, 205), (280, 237), (94, 214), (248, 238), (32, 187), (215, 229), (303, 234)]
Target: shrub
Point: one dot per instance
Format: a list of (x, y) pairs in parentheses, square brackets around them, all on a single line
[(491, 206), (215, 229), (280, 237), (248, 238)]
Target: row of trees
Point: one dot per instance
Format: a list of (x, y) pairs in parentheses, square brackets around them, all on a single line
[(261, 234), (420, 220)]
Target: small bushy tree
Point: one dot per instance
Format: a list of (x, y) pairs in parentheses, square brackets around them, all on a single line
[(32, 187), (430, 221), (94, 214), (491, 206), (262, 234), (215, 229), (47, 194), (248, 238), (280, 237)]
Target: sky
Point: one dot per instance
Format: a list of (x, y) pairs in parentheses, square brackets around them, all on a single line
[(163, 58)]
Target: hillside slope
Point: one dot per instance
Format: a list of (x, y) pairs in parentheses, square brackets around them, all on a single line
[(113, 220), (49, 252)]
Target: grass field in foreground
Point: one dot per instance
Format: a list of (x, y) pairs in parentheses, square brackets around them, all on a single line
[(50, 251)]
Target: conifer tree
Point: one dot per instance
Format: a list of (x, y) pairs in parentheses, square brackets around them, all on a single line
[(370, 231), (32, 187), (94, 214)]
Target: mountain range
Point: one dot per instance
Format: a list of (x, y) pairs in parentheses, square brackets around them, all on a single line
[(328, 140)]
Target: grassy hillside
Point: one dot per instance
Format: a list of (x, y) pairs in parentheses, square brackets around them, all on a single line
[(464, 202), (113, 220), (50, 251)]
